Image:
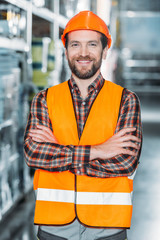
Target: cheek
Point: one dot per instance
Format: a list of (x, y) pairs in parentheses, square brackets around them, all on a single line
[(71, 54), (97, 54)]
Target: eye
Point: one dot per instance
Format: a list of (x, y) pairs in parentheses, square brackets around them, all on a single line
[(74, 44), (92, 44)]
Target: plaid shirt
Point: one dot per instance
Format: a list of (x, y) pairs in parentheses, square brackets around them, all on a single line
[(55, 157)]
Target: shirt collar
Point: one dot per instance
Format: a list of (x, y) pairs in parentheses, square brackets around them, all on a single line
[(95, 85)]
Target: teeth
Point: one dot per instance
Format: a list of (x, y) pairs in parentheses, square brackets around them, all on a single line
[(84, 61)]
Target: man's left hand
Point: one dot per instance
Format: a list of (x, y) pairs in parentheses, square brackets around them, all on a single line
[(42, 134)]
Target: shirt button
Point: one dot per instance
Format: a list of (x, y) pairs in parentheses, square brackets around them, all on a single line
[(79, 164), (78, 172), (83, 103)]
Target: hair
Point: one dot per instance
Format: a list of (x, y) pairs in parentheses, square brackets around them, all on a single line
[(104, 40)]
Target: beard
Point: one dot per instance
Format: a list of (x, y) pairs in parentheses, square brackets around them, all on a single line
[(85, 73)]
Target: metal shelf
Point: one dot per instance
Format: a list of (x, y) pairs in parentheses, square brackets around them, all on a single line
[(44, 13), (49, 15), (140, 14), (142, 63), (14, 44), (6, 123), (14, 157), (23, 4)]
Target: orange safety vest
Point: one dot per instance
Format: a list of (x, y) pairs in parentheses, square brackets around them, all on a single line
[(63, 196)]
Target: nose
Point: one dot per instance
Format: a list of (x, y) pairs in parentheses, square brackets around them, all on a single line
[(84, 50)]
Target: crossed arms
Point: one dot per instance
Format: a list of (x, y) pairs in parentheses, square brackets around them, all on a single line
[(118, 156)]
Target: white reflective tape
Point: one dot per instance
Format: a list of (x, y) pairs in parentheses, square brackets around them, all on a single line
[(55, 195), (89, 198), (100, 198)]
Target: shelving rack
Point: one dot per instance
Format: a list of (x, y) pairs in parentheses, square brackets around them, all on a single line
[(53, 17), (23, 46), (14, 44)]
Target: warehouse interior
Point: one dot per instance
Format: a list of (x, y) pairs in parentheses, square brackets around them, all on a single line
[(32, 59)]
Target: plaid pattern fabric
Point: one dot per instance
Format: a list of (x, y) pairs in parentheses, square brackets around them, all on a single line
[(55, 157), (81, 106)]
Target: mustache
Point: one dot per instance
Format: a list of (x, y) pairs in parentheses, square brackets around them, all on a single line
[(86, 58)]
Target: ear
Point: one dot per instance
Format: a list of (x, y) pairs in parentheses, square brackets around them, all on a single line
[(105, 51)]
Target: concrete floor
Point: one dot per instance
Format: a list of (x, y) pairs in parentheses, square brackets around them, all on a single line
[(146, 198)]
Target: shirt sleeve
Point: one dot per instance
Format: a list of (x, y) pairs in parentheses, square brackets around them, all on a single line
[(49, 156), (121, 165)]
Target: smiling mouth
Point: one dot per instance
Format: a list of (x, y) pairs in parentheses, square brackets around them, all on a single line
[(84, 62)]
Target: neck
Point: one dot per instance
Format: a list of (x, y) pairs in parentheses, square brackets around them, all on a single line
[(83, 84)]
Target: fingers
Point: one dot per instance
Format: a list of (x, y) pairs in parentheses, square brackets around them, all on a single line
[(129, 141), (42, 134), (122, 137), (44, 128), (37, 132), (47, 131), (129, 152), (130, 138), (130, 145), (125, 130), (126, 151), (43, 138), (37, 139), (122, 142)]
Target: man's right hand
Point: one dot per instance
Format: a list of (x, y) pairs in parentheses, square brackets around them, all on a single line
[(117, 144)]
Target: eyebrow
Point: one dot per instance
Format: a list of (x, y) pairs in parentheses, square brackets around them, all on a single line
[(73, 41), (95, 41), (76, 41)]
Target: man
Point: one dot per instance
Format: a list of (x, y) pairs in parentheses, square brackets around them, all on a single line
[(84, 138)]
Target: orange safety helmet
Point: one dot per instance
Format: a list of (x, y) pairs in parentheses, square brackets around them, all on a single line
[(89, 21)]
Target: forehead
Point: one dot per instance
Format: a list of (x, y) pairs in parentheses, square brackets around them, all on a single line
[(84, 35)]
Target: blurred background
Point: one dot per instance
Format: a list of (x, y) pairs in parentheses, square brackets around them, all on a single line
[(32, 58)]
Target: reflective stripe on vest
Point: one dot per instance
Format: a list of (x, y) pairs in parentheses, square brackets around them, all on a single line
[(62, 196), (96, 198)]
